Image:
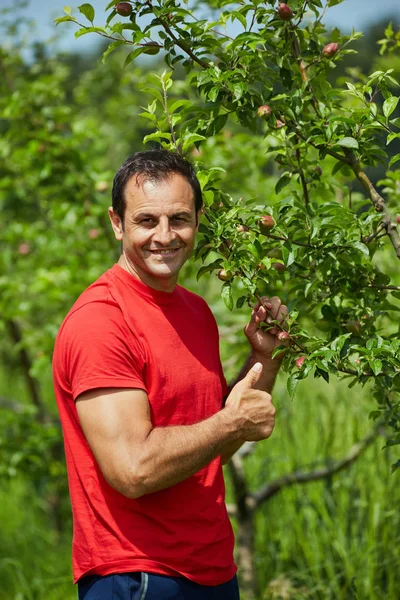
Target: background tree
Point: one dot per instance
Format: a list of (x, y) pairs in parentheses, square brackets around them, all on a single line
[(61, 142)]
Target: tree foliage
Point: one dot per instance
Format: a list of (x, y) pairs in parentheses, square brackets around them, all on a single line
[(331, 252)]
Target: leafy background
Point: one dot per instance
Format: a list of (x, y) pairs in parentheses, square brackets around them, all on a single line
[(67, 122)]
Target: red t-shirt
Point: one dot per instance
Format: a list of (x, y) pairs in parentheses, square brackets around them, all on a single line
[(121, 333)]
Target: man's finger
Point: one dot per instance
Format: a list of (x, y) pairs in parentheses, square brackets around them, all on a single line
[(279, 311), (253, 375)]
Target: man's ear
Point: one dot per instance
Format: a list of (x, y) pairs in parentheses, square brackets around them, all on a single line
[(116, 223)]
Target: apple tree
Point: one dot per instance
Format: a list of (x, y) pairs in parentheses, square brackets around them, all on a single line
[(327, 238)]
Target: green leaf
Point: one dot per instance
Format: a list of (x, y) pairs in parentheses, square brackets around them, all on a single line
[(376, 366), (86, 30), (209, 268), (389, 105), (64, 19), (240, 301), (87, 10), (362, 248), (134, 54), (291, 384), (282, 182), (226, 293), (67, 10), (190, 139), (347, 142), (110, 48), (394, 160)]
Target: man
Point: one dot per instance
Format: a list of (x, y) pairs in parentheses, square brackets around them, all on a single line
[(140, 390)]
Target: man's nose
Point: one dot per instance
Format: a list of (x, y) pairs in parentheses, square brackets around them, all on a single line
[(163, 232)]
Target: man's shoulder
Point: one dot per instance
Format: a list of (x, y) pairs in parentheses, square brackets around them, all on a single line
[(95, 305), (190, 296)]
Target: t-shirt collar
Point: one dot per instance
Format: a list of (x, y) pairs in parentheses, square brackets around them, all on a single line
[(151, 294)]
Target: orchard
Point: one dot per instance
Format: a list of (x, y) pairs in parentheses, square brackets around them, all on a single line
[(298, 167)]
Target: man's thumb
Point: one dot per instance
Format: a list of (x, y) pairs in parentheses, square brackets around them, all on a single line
[(253, 375)]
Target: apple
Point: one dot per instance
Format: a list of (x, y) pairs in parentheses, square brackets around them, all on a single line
[(279, 124), (264, 111), (398, 219), (266, 224), (124, 9), (242, 228), (353, 327), (330, 49), (279, 267), (24, 249), (224, 275), (283, 335), (275, 253), (93, 234), (285, 12), (299, 361)]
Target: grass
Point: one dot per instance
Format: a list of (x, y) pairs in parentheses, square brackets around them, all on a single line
[(334, 539)]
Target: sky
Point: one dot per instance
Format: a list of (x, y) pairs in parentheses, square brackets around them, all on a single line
[(357, 14)]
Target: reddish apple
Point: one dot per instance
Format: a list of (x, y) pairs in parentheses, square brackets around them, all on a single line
[(283, 336), (224, 275), (124, 9), (398, 219), (24, 249), (330, 49), (285, 12), (353, 327), (279, 124), (264, 111), (300, 361), (93, 234), (279, 267), (266, 224), (242, 228)]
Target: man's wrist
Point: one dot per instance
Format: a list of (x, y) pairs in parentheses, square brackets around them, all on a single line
[(267, 361)]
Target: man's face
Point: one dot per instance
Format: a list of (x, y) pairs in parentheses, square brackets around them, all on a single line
[(159, 230)]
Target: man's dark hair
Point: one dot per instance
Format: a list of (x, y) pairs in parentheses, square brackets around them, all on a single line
[(153, 165)]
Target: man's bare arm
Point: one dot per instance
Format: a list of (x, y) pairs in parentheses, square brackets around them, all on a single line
[(137, 459)]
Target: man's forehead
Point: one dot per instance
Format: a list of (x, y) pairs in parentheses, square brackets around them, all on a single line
[(174, 189)]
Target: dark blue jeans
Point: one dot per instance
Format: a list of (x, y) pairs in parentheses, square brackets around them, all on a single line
[(148, 586)]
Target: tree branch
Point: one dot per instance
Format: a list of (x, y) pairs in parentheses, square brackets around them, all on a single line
[(273, 487), (26, 364), (240, 490), (182, 46)]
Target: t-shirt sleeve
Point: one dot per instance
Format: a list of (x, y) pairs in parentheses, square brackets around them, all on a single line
[(96, 349)]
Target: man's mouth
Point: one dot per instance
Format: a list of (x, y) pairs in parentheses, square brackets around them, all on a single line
[(163, 251)]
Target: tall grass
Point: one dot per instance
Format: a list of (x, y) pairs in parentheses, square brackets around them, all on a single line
[(334, 539), (35, 561)]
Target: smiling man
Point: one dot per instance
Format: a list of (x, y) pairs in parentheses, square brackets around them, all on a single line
[(140, 391)]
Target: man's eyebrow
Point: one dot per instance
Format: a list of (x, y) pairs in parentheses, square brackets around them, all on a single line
[(144, 215)]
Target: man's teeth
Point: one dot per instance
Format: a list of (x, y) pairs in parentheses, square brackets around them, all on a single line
[(164, 251)]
